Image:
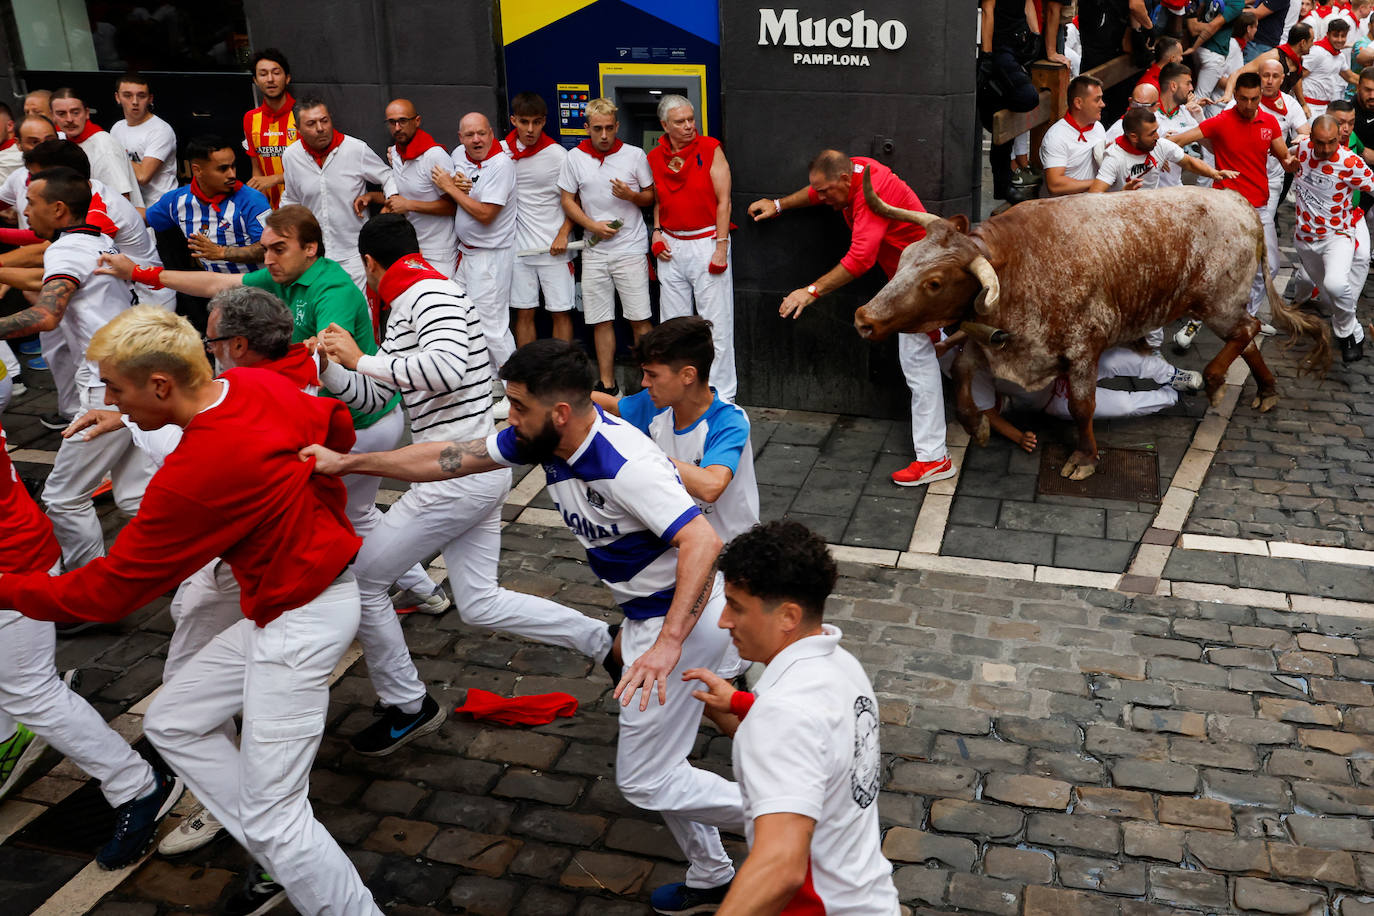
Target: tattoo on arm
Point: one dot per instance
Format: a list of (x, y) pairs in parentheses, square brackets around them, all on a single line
[(451, 458), (700, 603), (52, 301)]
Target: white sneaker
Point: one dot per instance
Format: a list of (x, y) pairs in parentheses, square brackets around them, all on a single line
[(18, 388), (408, 601), (501, 409), (1267, 330), (1187, 381), (1184, 338), (197, 829)]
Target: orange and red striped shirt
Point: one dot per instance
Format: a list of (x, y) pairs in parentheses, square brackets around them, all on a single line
[(267, 132)]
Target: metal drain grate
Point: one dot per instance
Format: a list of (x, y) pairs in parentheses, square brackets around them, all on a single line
[(1130, 474)]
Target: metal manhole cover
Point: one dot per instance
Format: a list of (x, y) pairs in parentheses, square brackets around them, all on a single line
[(1130, 474)]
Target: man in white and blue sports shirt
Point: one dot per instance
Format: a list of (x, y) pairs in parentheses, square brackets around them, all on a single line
[(707, 439), (652, 547)]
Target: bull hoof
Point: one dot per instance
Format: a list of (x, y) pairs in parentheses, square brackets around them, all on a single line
[(981, 430), (1214, 395), (1079, 467), (1265, 402)]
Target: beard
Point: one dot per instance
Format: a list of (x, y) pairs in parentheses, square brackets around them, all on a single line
[(539, 448)]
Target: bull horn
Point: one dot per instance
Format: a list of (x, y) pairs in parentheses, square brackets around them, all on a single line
[(887, 211), (992, 289)]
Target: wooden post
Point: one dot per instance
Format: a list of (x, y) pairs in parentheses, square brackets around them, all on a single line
[(1054, 77)]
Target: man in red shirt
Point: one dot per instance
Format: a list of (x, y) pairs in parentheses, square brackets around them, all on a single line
[(1243, 138), (837, 180), (283, 532), (271, 127)]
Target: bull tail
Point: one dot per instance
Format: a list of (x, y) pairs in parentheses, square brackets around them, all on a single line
[(1295, 323)]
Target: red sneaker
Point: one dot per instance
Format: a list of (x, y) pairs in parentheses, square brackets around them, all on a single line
[(919, 473)]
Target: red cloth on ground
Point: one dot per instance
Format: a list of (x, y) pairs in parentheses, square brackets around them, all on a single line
[(537, 709)]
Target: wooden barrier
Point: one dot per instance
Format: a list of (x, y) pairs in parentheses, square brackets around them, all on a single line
[(1052, 80)]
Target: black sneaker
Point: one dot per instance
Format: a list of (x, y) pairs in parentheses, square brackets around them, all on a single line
[(681, 900), (259, 895), (614, 666), (136, 822), (395, 728), (1352, 350), (55, 421)]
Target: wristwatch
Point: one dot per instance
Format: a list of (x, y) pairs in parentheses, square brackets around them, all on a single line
[(814, 290)]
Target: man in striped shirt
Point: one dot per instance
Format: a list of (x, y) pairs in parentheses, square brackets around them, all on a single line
[(655, 551), (271, 127), (435, 356)]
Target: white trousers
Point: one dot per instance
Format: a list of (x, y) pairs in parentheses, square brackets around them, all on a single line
[(362, 511), (686, 279), (12, 367), (651, 767), (443, 260), (485, 274), (62, 364), (1213, 65), (1122, 362), (463, 519), (204, 606), (916, 354), (1258, 295), (6, 392), (79, 468), (278, 677), (32, 693), (1336, 265)]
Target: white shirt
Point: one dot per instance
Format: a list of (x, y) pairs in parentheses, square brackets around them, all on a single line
[(329, 192), (1169, 124), (622, 499), (539, 204), (1291, 119), (590, 179), (438, 239), (493, 182), (73, 255), (1120, 166), (12, 194), (1323, 81), (11, 159), (110, 164), (1322, 192), (719, 437), (1061, 148), (153, 139), (809, 746)]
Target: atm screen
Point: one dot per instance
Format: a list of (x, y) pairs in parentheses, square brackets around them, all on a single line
[(651, 139)]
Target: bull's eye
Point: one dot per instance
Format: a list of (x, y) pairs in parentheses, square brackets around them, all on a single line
[(933, 285)]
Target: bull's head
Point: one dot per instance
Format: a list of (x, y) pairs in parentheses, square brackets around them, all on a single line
[(935, 281)]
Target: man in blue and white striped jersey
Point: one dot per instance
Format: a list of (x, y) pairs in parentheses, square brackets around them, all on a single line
[(651, 546)]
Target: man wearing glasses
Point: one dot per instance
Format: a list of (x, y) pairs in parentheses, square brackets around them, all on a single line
[(413, 157)]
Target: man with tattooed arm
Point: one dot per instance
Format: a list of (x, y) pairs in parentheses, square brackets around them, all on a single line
[(655, 551)]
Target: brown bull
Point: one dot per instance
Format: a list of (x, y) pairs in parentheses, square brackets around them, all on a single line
[(1068, 278)]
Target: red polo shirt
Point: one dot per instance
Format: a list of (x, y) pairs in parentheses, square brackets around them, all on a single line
[(1243, 146), (875, 239)]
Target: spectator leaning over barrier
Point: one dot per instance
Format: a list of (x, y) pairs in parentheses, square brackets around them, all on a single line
[(1007, 45)]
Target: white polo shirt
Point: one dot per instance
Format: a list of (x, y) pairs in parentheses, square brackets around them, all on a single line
[(12, 191), (589, 177), (438, 239), (74, 255), (1119, 165), (1063, 148), (493, 182), (110, 164), (11, 159), (539, 204), (153, 139), (1291, 118), (329, 191), (809, 746)]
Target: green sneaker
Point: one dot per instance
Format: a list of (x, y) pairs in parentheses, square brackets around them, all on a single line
[(17, 753)]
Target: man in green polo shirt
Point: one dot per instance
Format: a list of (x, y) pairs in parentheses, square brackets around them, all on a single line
[(318, 292)]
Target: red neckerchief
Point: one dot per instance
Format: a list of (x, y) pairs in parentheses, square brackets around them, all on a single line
[(322, 156), (288, 102), (1081, 128), (404, 274), (297, 366), (87, 132), (214, 200), (7, 144), (417, 146), (1322, 12), (586, 147), (491, 154), (98, 217), (1287, 51), (1129, 147), (1278, 104), (516, 153), (1242, 42), (1325, 44)]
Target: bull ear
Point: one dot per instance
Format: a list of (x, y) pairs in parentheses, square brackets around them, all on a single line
[(960, 223)]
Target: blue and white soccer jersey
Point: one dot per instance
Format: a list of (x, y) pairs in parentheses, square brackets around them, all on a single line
[(625, 502), (235, 222), (718, 437)]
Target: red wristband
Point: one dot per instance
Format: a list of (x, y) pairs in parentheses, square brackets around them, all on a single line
[(740, 703), (148, 276), (715, 268), (658, 248)]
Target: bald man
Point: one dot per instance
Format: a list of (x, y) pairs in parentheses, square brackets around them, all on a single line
[(1293, 123), (414, 155), (1144, 95), (38, 102), (482, 184)]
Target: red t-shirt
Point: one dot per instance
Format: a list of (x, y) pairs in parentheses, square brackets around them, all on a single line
[(875, 239), (1243, 146), (233, 488), (26, 540), (1151, 76)]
